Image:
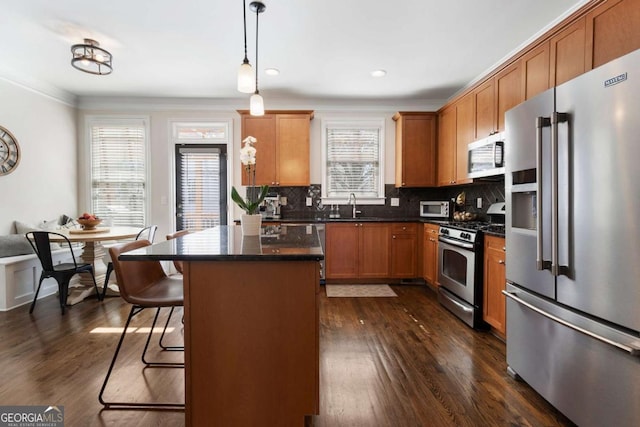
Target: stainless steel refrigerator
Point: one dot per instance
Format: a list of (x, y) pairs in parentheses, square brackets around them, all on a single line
[(572, 184)]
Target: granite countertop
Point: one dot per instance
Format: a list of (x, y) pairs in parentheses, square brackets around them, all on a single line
[(226, 243)]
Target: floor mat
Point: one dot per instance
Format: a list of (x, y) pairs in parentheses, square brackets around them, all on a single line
[(359, 291)]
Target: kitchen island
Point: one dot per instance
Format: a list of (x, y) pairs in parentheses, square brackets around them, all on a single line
[(251, 323)]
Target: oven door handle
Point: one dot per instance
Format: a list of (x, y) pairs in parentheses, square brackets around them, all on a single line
[(455, 242)]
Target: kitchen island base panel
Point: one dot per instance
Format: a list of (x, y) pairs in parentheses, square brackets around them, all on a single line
[(252, 342)]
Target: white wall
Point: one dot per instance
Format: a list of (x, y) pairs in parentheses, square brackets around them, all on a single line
[(44, 184)]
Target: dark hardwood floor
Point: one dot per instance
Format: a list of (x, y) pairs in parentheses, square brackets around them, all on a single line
[(401, 361)]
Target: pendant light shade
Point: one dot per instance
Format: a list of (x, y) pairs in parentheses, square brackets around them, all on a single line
[(256, 105), (246, 84)]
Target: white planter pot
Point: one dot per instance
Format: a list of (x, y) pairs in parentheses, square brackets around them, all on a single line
[(251, 224)]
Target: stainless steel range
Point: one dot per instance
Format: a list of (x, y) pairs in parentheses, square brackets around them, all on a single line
[(460, 266)]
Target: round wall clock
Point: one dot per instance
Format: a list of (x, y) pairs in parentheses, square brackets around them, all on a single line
[(9, 152)]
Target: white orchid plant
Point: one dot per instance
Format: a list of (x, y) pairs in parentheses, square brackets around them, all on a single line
[(248, 160)]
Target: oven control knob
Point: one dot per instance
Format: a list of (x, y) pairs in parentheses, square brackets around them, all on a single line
[(465, 236), (444, 231)]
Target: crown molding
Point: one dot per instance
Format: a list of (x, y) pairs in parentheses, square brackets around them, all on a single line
[(41, 88)]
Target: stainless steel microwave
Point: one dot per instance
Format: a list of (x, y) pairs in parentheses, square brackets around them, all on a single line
[(486, 156), (433, 209)]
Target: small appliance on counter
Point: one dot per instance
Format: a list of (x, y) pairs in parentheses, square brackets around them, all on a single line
[(270, 208), (436, 209)]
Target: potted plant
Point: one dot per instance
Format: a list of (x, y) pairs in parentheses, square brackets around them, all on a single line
[(251, 220)]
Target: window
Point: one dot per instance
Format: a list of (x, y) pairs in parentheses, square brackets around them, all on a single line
[(118, 150), (353, 161), (201, 174)]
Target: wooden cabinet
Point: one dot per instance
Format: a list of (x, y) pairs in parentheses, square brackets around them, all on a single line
[(282, 157), (455, 131), (509, 91), (447, 146), (465, 133), (430, 253), (415, 149), (404, 250), (612, 30), (535, 70), (356, 250), (485, 109), (494, 307), (567, 50)]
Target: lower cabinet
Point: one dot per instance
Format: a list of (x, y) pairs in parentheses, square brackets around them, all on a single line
[(430, 253), (494, 305), (357, 250), (404, 250)]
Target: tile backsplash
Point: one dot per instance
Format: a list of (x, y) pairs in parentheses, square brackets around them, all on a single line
[(409, 200)]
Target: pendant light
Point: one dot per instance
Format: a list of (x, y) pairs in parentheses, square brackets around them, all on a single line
[(256, 103), (246, 84)]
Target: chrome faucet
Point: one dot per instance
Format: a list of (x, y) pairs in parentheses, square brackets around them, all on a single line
[(352, 197)]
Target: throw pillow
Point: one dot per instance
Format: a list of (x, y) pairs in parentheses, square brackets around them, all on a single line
[(14, 244), (23, 228)]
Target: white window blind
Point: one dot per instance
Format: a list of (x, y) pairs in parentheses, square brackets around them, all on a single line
[(353, 161), (118, 173), (201, 180)]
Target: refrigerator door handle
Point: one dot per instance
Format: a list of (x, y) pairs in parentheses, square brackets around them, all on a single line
[(541, 264), (556, 118), (632, 350)]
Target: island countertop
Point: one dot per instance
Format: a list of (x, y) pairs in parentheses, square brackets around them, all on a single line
[(226, 243)]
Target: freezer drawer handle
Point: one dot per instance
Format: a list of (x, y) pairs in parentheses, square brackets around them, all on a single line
[(633, 351)]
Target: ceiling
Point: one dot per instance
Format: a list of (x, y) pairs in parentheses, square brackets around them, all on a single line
[(324, 49)]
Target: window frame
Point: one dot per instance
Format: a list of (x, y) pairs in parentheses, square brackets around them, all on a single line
[(363, 123), (117, 120), (173, 140)]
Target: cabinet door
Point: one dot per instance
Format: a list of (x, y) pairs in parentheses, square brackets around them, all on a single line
[(446, 146), (263, 128), (430, 254), (509, 90), (494, 307), (373, 250), (292, 149), (415, 149), (485, 109), (341, 251), (404, 251), (465, 133), (567, 53), (535, 70), (613, 30)]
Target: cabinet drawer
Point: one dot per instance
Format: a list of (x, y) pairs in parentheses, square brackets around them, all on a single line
[(493, 242), (431, 228), (404, 228)]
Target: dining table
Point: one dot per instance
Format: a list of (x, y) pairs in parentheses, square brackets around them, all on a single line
[(94, 253)]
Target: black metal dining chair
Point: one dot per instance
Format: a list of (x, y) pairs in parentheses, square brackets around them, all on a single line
[(62, 273), (143, 284), (147, 233)]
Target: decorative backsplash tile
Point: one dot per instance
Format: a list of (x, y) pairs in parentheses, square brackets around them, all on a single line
[(409, 200)]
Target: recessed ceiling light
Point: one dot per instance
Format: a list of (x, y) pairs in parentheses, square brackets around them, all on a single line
[(378, 73), (271, 71)]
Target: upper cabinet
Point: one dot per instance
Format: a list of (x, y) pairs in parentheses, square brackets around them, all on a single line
[(599, 32), (568, 53), (535, 70), (612, 30), (282, 157), (415, 149), (485, 109)]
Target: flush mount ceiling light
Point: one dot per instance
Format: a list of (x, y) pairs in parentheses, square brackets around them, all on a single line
[(91, 58), (272, 71), (256, 103), (246, 84), (378, 73)]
